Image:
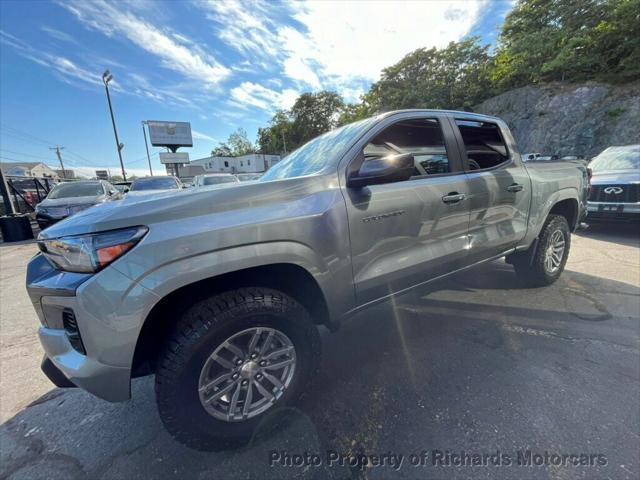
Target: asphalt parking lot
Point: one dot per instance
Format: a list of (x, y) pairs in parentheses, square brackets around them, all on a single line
[(475, 364)]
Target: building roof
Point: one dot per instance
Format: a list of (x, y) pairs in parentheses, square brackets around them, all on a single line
[(29, 165)]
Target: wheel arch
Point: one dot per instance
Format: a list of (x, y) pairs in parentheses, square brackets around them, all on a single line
[(290, 278)]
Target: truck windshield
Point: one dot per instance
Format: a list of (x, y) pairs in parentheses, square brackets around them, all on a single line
[(318, 155), (617, 158)]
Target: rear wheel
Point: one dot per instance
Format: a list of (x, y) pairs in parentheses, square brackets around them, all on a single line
[(232, 359), (545, 265)]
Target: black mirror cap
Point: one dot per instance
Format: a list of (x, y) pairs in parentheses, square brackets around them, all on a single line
[(389, 169)]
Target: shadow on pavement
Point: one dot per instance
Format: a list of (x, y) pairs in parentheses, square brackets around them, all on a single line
[(474, 363), (627, 234)]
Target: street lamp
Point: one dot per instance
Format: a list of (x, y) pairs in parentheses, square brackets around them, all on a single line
[(106, 78)]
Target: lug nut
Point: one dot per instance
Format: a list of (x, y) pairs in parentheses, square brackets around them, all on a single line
[(259, 376), (239, 361), (263, 363), (235, 376), (245, 382), (254, 355)]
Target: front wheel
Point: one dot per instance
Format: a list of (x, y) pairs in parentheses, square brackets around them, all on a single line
[(232, 358), (545, 265)]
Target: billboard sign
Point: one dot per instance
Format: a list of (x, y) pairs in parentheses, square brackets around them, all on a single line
[(170, 134), (180, 157), (102, 175)]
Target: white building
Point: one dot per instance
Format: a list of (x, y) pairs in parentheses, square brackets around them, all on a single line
[(253, 163), (28, 169)]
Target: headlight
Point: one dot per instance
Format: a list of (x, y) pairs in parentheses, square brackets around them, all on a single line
[(40, 209), (90, 253)]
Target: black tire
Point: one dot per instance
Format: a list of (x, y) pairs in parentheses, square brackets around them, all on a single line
[(199, 331), (530, 266)]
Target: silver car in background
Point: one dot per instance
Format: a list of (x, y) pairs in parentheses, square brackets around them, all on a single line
[(214, 179), (615, 185)]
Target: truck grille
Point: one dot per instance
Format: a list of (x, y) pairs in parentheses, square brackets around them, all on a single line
[(630, 193), (71, 329)]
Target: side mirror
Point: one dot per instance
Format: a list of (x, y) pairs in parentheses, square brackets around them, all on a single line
[(392, 168)]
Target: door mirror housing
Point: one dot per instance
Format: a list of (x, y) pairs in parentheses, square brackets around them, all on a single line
[(389, 169)]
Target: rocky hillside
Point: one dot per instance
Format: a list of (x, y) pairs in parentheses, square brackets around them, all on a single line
[(579, 119)]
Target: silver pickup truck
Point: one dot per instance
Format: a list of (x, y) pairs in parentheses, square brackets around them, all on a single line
[(219, 291)]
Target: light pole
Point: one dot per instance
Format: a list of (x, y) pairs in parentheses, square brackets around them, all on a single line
[(146, 146), (106, 78)]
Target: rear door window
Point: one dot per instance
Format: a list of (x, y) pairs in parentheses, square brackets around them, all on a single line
[(483, 144)]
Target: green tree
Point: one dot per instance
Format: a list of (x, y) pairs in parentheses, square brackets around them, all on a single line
[(237, 144), (312, 114), (457, 76), (568, 40)]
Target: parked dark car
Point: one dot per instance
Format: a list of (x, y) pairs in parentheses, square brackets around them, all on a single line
[(68, 198), (615, 184), (165, 182)]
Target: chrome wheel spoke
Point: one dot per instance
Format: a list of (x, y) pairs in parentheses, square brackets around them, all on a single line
[(234, 400), (265, 393), (266, 343), (254, 340), (247, 400), (277, 353), (234, 349), (223, 362), (220, 393), (276, 383), (279, 364), (215, 382)]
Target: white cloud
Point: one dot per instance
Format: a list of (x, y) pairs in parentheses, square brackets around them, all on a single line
[(349, 40), (59, 34), (249, 94), (202, 136), (246, 25), (175, 51), (338, 45)]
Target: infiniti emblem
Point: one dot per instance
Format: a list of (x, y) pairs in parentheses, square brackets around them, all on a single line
[(614, 190)]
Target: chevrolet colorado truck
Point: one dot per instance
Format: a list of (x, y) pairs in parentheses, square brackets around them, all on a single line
[(219, 292)]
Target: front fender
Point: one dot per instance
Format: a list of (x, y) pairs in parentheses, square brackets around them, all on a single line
[(185, 271), (541, 206)]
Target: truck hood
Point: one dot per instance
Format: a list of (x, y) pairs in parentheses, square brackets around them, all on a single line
[(164, 206), (617, 176)]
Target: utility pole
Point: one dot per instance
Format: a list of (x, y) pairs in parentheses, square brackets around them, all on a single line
[(146, 145), (106, 78), (57, 148)]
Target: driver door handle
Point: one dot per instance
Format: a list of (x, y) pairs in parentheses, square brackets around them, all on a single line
[(453, 197), (516, 187)]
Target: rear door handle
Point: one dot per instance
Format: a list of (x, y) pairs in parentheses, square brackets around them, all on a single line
[(453, 197), (516, 187)]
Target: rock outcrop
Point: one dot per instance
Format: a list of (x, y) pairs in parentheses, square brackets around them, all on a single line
[(578, 119)]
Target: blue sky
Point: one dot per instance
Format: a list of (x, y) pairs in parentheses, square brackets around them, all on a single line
[(219, 65)]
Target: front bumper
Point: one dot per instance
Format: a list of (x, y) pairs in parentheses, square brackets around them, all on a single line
[(104, 381), (45, 221), (606, 211), (109, 309)]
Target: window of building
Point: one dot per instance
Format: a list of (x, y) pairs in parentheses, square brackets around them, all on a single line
[(241, 164), (421, 137), (248, 162), (226, 164), (483, 143)]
